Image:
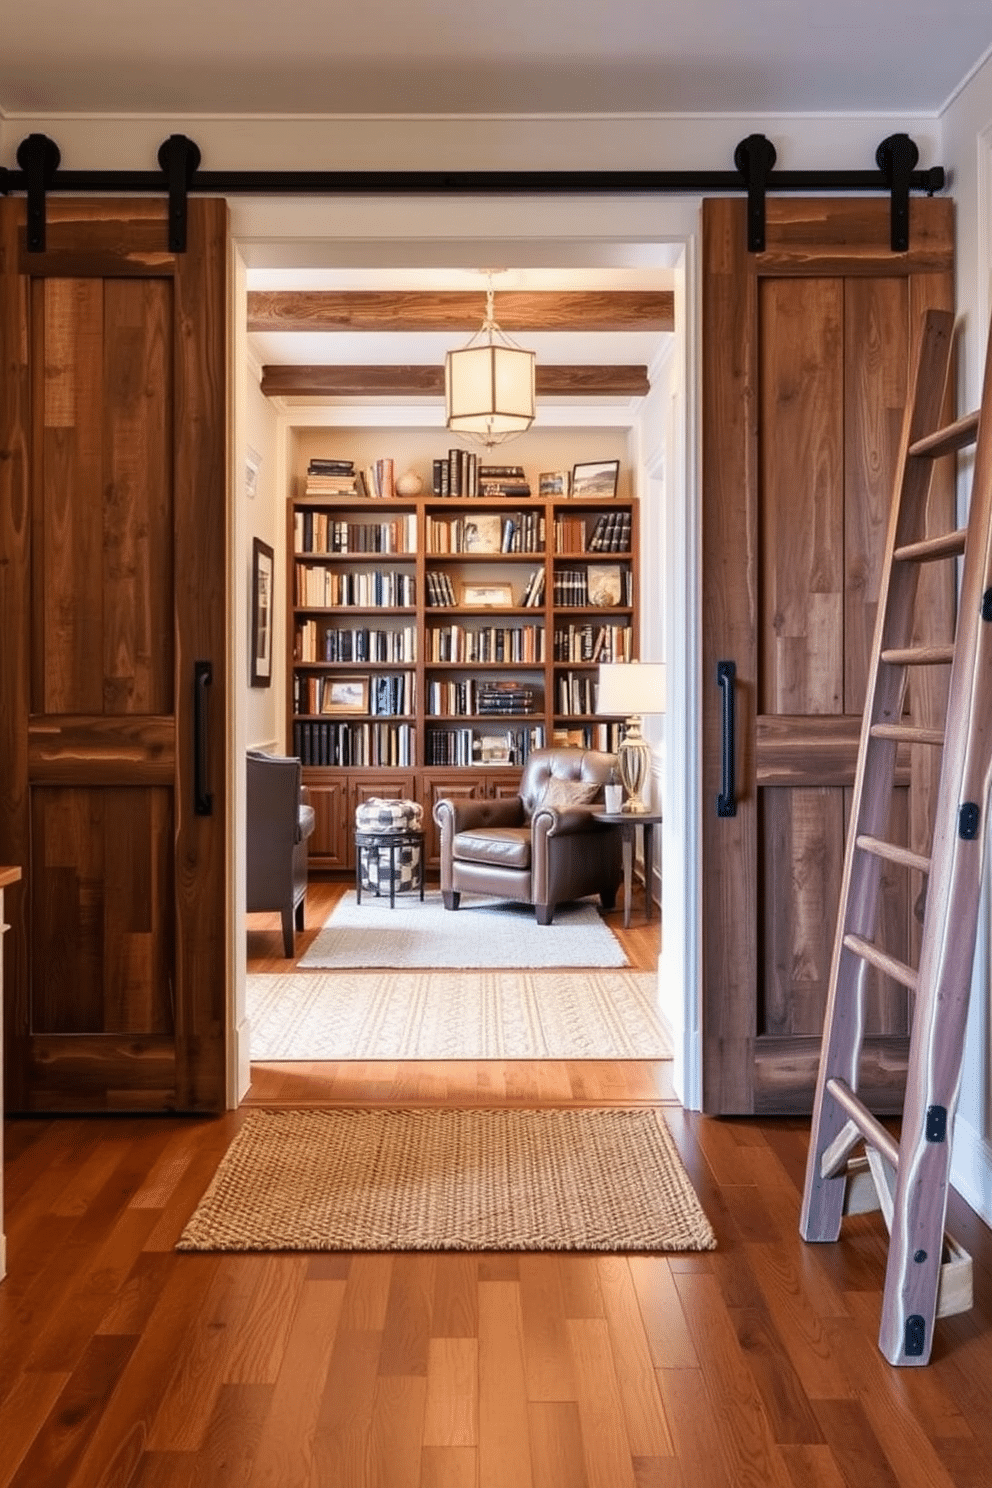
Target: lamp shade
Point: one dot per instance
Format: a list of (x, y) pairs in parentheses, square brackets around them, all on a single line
[(628, 687), (489, 389)]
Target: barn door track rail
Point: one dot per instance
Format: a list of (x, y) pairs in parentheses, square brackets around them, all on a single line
[(179, 173)]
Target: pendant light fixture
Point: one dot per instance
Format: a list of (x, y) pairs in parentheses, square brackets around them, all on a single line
[(489, 384)]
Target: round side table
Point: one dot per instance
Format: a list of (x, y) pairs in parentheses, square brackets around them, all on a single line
[(628, 821)]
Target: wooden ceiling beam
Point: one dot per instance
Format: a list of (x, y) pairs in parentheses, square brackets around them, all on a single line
[(405, 382), (386, 310)]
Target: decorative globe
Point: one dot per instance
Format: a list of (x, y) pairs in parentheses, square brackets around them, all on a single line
[(409, 484)]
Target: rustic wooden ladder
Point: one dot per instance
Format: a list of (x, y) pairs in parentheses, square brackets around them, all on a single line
[(927, 1274)]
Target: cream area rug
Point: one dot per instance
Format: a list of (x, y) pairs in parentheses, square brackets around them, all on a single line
[(438, 1179), (482, 933), (456, 1015)]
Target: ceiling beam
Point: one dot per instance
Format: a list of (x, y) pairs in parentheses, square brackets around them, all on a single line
[(401, 310), (405, 382)]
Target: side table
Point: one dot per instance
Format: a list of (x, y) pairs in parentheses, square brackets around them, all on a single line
[(628, 822), (388, 842)]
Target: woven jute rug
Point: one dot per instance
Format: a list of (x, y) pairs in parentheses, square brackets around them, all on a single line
[(456, 1015), (404, 1179)]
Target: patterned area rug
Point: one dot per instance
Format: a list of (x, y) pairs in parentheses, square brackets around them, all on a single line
[(602, 1180), (482, 933), (456, 1015)]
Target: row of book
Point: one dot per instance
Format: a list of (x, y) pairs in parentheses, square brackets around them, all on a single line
[(387, 695), (608, 736), (448, 698), (609, 533), (328, 588), (440, 590), (487, 532), (597, 584), (534, 591), (321, 532), (363, 643), (358, 744), (467, 746), (477, 645), (576, 693), (592, 643), (462, 474)]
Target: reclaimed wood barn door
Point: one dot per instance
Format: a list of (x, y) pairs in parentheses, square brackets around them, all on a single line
[(806, 358), (113, 497)]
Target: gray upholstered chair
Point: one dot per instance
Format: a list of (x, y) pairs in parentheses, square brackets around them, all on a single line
[(280, 820), (545, 846)]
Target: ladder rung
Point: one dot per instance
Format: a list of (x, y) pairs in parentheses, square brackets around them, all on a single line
[(947, 545), (893, 853), (870, 1128), (882, 961), (918, 655), (959, 435), (906, 733)]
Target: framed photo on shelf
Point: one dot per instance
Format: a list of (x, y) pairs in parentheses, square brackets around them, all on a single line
[(605, 584), (482, 533), (595, 478), (487, 596), (346, 695), (553, 483), (493, 751), (262, 572)]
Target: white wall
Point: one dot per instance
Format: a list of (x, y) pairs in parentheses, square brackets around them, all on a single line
[(264, 706), (968, 150)]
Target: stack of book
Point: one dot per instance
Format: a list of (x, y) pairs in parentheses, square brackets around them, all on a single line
[(440, 589), (502, 480), (534, 592), (503, 697), (327, 477)]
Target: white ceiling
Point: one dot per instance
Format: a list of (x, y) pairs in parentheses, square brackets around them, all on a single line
[(473, 56)]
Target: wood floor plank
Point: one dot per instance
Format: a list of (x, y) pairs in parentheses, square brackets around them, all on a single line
[(55, 1453), (605, 1442), (660, 1306), (366, 1296), (547, 1351), (28, 1404), (452, 1413), (397, 1429), (455, 1306), (231, 1440), (258, 1337), (694, 1427), (406, 1332), (285, 1452), (344, 1424), (743, 1429), (449, 1467), (556, 1445), (647, 1429), (504, 1428)]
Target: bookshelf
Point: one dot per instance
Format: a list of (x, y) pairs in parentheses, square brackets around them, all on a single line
[(435, 639)]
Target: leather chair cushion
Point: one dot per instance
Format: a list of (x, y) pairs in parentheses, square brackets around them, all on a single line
[(503, 847)]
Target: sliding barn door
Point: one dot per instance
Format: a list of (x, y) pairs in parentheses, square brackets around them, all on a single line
[(806, 357), (113, 605)]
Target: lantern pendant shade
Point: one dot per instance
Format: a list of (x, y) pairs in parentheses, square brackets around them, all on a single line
[(489, 389)]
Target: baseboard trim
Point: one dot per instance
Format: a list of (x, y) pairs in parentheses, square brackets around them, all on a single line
[(971, 1168)]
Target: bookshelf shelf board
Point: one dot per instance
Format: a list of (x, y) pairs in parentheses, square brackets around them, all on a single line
[(495, 557), (355, 609)]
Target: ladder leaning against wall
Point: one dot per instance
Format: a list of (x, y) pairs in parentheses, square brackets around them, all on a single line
[(927, 1274)]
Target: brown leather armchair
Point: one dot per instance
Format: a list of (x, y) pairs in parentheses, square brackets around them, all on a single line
[(280, 820), (543, 847)]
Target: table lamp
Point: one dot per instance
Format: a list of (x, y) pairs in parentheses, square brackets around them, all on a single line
[(630, 689)]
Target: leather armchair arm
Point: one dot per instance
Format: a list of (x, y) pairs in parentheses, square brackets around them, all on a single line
[(457, 815), (549, 821)]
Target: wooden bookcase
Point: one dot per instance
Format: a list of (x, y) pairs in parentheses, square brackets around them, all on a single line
[(416, 668)]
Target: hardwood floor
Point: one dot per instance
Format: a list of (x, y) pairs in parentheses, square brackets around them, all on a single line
[(124, 1363)]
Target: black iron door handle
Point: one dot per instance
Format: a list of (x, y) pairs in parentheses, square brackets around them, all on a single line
[(203, 676), (726, 801)]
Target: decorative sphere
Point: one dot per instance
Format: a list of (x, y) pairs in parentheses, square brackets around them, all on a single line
[(409, 484)]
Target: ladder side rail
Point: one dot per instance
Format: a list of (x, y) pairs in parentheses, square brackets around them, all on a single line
[(949, 934), (823, 1198)]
